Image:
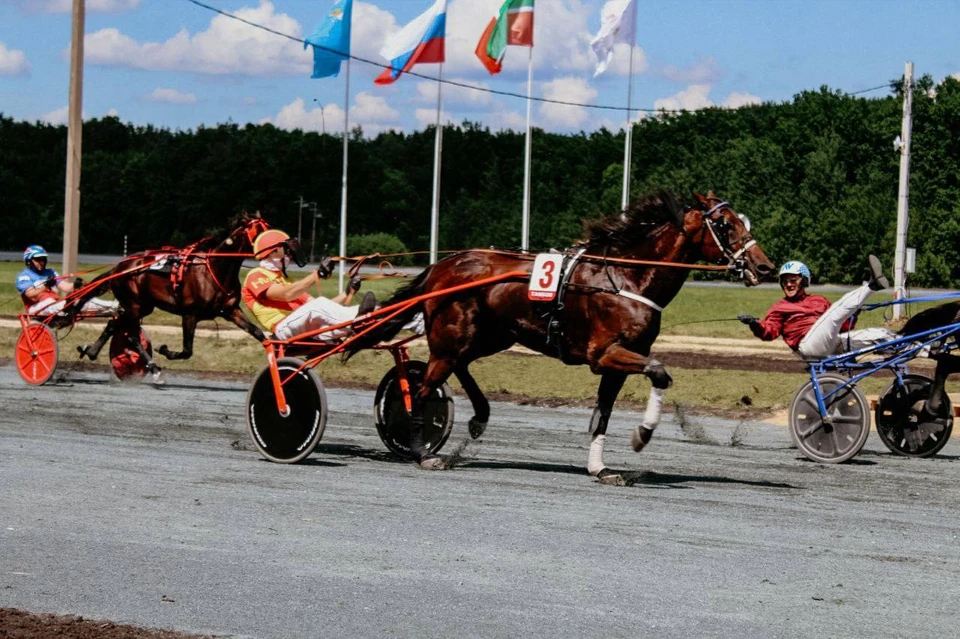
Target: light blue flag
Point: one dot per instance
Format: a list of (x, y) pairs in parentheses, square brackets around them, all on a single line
[(333, 35)]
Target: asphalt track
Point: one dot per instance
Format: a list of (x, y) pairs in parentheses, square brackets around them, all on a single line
[(148, 506)]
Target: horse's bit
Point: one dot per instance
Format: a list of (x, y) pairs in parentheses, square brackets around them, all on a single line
[(735, 259)]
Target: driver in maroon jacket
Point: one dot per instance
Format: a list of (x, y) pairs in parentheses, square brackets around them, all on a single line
[(808, 323)]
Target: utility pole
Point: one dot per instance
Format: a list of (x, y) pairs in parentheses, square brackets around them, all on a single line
[(903, 197), (71, 204)]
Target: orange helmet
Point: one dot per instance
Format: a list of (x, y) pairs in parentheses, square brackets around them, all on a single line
[(268, 241)]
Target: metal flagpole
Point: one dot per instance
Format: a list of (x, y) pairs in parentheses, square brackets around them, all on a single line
[(903, 198), (343, 192), (71, 205), (628, 143), (525, 233), (437, 147)]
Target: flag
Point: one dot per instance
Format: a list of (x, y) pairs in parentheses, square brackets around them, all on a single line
[(513, 25), (333, 35), (419, 42), (618, 23)]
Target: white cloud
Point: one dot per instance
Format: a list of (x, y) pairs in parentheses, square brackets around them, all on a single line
[(113, 113), (13, 61), (568, 89), (370, 112), (696, 96), (249, 101), (372, 108), (620, 65), (227, 46), (66, 6), (57, 116), (737, 99), (170, 96), (704, 71), (690, 99), (455, 96), (428, 117)]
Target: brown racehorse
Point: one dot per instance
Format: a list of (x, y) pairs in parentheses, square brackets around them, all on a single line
[(610, 312), (200, 282)]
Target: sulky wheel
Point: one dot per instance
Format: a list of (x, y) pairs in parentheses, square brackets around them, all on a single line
[(845, 431), (408, 437), (901, 422), (288, 438), (37, 353), (125, 361)]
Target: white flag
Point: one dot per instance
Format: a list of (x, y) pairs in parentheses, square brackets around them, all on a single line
[(618, 23)]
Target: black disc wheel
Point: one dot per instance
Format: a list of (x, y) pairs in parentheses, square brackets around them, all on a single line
[(839, 435), (290, 437), (902, 424), (427, 429)]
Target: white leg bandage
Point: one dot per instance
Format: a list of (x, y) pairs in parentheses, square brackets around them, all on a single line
[(595, 461), (651, 417)]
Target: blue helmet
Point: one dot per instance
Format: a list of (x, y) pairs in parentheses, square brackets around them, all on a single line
[(33, 252), (796, 268)]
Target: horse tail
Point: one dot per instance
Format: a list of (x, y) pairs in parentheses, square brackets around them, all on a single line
[(388, 329), (942, 315)]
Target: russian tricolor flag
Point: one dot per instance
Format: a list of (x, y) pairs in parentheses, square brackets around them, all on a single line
[(419, 42)]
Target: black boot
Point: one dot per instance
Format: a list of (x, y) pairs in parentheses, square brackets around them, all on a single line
[(367, 304), (877, 281)]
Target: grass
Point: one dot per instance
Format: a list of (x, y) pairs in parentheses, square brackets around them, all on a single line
[(508, 375)]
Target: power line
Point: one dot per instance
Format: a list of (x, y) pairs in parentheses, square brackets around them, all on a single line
[(462, 85)]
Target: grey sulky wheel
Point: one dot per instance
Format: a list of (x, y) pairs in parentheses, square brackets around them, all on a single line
[(901, 423), (288, 438), (845, 431), (404, 435)]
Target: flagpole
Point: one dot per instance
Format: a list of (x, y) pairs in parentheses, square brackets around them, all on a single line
[(343, 192), (525, 233), (437, 149), (628, 142)]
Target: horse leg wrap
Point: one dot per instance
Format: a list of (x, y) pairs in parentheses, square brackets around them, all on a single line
[(595, 460), (651, 419)]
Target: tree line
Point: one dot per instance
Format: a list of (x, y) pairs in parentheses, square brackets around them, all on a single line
[(817, 175)]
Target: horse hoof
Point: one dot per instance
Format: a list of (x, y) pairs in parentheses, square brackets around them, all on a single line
[(83, 350), (641, 437), (610, 477), (476, 427), (163, 350), (433, 462)]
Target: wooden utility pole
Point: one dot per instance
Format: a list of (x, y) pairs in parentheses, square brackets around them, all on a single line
[(71, 206), (903, 198)]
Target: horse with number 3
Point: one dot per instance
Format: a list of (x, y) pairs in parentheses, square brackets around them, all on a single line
[(598, 304)]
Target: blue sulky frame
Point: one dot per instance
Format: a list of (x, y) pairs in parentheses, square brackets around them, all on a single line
[(893, 355)]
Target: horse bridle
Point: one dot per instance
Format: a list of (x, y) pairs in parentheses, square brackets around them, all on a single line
[(718, 228)]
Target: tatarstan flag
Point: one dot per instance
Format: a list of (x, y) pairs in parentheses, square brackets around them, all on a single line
[(513, 25)]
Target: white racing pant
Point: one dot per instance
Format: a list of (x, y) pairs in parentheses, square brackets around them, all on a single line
[(824, 338), (94, 306), (320, 312)]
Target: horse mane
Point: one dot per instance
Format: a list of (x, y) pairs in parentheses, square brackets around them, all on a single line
[(625, 229), (218, 237), (942, 315)]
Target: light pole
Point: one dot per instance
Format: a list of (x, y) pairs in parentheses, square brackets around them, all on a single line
[(323, 118)]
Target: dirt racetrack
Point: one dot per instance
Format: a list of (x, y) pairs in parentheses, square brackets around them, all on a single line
[(147, 506)]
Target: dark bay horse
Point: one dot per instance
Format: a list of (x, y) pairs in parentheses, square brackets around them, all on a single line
[(199, 282), (610, 311), (934, 416)]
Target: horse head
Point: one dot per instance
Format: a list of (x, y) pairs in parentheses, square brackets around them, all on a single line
[(725, 236), (246, 227)]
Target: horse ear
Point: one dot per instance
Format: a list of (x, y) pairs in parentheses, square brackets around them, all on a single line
[(700, 199), (711, 196)]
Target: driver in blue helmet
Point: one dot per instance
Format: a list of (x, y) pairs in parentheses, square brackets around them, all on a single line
[(810, 324), (40, 287)]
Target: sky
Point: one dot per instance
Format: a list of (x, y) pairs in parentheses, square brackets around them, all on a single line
[(173, 64)]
